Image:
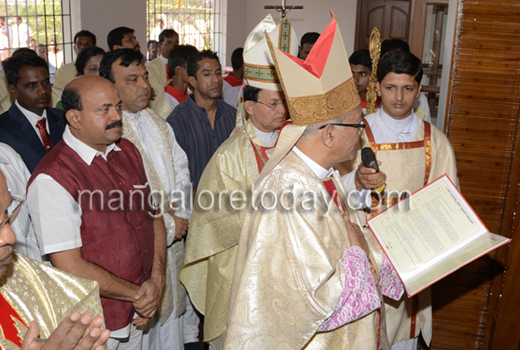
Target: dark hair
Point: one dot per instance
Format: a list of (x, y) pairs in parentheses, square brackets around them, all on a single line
[(167, 33), (309, 38), (251, 93), (85, 55), (116, 35), (237, 59), (150, 42), (13, 64), (128, 56), (30, 40), (71, 99), (361, 57), (24, 51), (399, 62), (2, 17), (87, 34), (179, 57), (193, 61), (394, 45)]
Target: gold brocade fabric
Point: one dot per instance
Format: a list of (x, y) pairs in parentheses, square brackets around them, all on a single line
[(167, 296), (213, 236), (158, 79), (46, 295), (405, 169), (288, 277), (307, 110)]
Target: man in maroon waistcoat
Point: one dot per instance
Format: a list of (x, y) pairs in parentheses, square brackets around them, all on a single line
[(89, 199)]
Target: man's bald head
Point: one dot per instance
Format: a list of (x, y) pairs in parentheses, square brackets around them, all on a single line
[(78, 87), (93, 111)]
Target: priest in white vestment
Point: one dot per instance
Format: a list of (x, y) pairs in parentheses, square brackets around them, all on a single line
[(303, 275)]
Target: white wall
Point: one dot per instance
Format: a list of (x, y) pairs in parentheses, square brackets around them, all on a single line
[(101, 16), (314, 17)]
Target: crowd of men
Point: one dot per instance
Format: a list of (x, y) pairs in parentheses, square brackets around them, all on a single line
[(144, 200)]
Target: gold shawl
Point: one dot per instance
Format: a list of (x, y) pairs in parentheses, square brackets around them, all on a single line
[(288, 277), (167, 298), (405, 170), (213, 236), (46, 295)]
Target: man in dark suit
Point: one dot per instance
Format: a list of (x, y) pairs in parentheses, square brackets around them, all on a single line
[(29, 126)]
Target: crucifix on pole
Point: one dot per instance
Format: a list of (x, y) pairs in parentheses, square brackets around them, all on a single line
[(283, 9)]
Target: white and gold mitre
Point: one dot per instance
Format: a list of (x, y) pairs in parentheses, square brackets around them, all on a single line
[(259, 70), (320, 88)]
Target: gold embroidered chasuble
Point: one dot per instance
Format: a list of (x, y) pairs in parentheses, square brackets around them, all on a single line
[(288, 277), (409, 166), (38, 292), (211, 244)]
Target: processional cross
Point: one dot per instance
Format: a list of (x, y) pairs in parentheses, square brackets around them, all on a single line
[(283, 9)]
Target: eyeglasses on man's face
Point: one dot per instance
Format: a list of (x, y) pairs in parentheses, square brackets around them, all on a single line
[(11, 212), (360, 126), (275, 105)]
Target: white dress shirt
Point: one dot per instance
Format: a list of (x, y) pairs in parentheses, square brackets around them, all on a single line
[(34, 118), (56, 215), (17, 175)]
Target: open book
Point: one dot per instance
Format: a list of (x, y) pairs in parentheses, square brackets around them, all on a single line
[(431, 234)]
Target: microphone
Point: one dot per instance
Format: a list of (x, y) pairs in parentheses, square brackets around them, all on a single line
[(369, 161)]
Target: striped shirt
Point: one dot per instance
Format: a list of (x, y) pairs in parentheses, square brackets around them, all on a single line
[(194, 133)]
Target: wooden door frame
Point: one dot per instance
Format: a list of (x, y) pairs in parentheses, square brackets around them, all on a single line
[(419, 19), (358, 25)]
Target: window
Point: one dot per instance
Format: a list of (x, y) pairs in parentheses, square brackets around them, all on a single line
[(37, 24), (196, 21)]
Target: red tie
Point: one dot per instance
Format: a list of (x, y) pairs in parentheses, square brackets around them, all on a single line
[(46, 139)]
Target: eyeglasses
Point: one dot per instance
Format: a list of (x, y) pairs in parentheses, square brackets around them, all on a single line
[(12, 212), (360, 127), (275, 106)]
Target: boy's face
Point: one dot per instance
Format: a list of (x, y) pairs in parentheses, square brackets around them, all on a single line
[(398, 93), (361, 75)]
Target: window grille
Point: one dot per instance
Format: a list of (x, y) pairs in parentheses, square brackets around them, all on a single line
[(45, 20), (196, 21)]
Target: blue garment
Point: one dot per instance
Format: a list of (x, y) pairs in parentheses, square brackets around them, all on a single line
[(194, 133), (17, 132)]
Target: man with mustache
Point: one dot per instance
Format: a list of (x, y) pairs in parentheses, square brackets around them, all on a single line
[(30, 127), (122, 38), (203, 121), (167, 171), (90, 204)]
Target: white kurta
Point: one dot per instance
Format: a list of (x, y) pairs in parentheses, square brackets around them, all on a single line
[(171, 166)]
